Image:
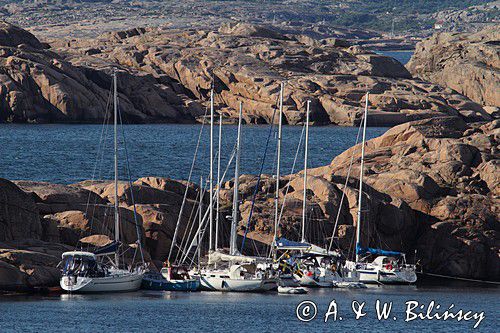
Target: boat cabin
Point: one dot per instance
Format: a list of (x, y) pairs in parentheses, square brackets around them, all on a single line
[(175, 273), (382, 261), (246, 271), (80, 263)]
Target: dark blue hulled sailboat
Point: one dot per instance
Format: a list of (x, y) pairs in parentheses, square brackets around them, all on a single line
[(170, 279)]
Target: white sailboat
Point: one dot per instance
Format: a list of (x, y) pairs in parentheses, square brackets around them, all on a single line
[(388, 267), (86, 272), (316, 263), (235, 272)]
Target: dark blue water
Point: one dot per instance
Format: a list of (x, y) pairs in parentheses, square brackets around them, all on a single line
[(402, 56), (232, 312), (68, 153)]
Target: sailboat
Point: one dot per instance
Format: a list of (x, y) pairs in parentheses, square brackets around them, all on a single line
[(95, 272), (176, 277), (388, 267), (314, 264), (233, 271)]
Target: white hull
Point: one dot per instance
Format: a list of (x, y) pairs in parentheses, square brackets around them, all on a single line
[(350, 285), (322, 278), (121, 281), (291, 290), (308, 281), (216, 283), (385, 277)]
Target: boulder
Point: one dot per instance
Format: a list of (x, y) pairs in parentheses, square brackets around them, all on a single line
[(11, 277), (54, 198), (170, 185), (13, 36), (138, 192), (28, 264)]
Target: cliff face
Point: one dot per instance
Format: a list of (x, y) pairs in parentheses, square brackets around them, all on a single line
[(467, 63), (165, 75)]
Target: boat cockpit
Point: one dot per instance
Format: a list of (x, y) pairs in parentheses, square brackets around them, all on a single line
[(79, 263)]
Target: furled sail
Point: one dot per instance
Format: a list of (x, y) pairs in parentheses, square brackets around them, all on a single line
[(107, 249), (365, 250), (217, 256), (286, 244)]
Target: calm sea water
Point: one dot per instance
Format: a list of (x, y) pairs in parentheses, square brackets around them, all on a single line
[(148, 311), (68, 153), (402, 56)]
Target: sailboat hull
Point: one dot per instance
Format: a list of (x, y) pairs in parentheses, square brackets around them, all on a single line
[(308, 281), (172, 285), (216, 283), (122, 281), (378, 276)]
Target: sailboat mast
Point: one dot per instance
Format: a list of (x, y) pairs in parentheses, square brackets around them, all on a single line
[(276, 196), (211, 178), (304, 199), (218, 185), (361, 172), (115, 137), (200, 221), (234, 223)]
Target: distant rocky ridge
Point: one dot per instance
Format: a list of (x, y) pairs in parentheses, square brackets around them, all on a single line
[(469, 19), (88, 18), (431, 185), (466, 62), (165, 76)]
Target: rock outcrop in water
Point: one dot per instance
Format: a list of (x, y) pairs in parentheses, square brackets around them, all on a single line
[(430, 186), (468, 63), (39, 221), (165, 76)]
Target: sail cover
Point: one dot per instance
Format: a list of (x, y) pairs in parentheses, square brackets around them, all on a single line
[(285, 244), (216, 257), (107, 249), (364, 250)]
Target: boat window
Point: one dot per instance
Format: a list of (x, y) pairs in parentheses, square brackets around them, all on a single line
[(81, 266)]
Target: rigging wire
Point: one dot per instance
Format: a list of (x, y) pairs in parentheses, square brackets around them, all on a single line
[(190, 226), (127, 167), (186, 250), (256, 189), (98, 161), (344, 188), (287, 188), (187, 188)]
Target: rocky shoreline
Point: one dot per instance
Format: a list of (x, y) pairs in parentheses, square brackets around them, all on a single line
[(164, 75), (432, 186)]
